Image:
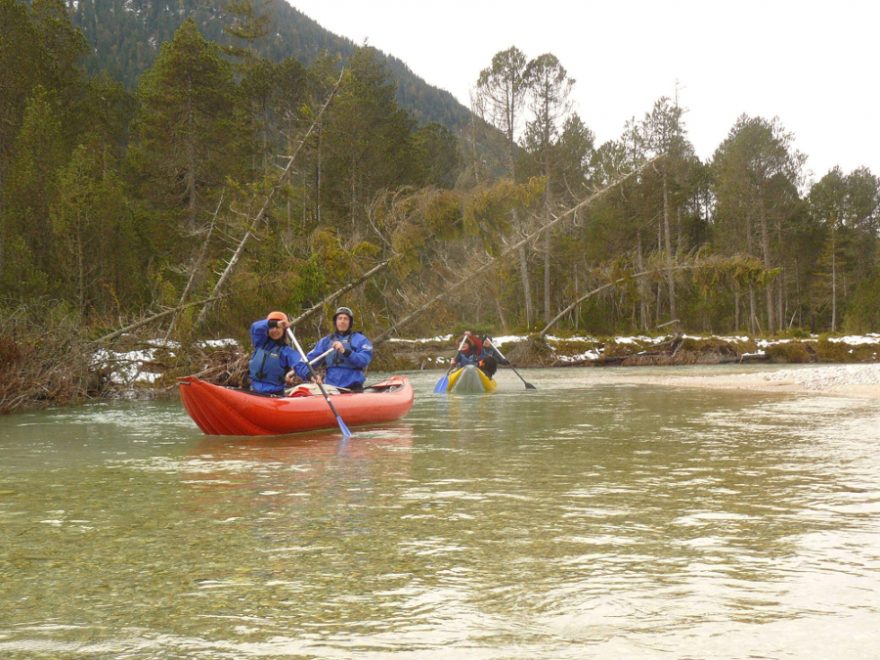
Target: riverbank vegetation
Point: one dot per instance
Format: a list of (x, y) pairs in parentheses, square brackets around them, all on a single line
[(228, 184)]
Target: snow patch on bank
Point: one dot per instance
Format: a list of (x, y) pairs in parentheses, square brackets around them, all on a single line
[(856, 340), (128, 368), (591, 355), (422, 340)]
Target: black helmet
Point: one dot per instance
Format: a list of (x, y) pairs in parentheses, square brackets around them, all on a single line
[(343, 310)]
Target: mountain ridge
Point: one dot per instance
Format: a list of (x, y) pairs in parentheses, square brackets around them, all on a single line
[(126, 35)]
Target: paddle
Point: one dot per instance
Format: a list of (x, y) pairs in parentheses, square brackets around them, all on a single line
[(443, 384), (342, 427), (321, 357), (528, 385)]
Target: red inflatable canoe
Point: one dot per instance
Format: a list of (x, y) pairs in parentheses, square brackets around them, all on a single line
[(230, 411)]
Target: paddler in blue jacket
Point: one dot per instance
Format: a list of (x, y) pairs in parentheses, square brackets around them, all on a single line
[(272, 363), (352, 354)]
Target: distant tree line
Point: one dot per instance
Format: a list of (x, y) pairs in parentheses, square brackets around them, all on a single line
[(118, 205)]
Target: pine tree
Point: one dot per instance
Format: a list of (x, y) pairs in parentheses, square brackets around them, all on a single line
[(28, 191), (366, 141), (549, 87), (756, 175), (93, 240), (190, 131), (501, 90)]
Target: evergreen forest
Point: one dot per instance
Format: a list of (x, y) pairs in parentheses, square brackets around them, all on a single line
[(219, 177)]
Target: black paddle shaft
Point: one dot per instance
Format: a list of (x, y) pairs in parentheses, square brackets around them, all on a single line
[(528, 385)]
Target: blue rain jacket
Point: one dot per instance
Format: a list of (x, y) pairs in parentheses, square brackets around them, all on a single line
[(343, 369), (270, 361)]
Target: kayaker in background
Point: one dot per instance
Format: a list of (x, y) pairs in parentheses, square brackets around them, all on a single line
[(491, 358), (272, 363), (352, 354), (479, 353), (470, 352)]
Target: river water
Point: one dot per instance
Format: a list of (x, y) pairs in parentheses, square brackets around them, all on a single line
[(582, 519)]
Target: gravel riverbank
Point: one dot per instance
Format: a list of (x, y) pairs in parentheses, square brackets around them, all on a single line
[(857, 380)]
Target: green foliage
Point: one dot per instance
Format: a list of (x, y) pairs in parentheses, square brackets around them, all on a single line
[(863, 309), (366, 142), (838, 351), (436, 149), (31, 184), (116, 217), (190, 130), (794, 352), (416, 223), (488, 210), (93, 237), (310, 281), (39, 48), (481, 329), (443, 215), (125, 43), (797, 333), (846, 210), (21, 57)]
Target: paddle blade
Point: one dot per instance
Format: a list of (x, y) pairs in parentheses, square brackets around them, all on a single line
[(343, 427), (529, 386), (442, 385)]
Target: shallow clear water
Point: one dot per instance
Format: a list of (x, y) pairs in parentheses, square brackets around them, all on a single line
[(583, 519)]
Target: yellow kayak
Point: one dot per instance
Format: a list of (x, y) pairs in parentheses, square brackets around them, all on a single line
[(470, 380)]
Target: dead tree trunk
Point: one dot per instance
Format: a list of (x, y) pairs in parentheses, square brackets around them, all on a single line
[(668, 270), (508, 250), (281, 178), (197, 265), (670, 260), (155, 317), (333, 296)]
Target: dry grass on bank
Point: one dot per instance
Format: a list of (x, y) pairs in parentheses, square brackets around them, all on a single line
[(39, 367)]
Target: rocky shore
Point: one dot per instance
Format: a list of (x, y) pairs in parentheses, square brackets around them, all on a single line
[(152, 367), (851, 380), (669, 350)]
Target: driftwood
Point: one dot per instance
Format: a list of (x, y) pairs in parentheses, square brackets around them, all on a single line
[(507, 250), (261, 214), (156, 317)]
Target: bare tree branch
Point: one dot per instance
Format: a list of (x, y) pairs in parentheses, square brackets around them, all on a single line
[(197, 264), (156, 317), (507, 250), (279, 181), (348, 287)]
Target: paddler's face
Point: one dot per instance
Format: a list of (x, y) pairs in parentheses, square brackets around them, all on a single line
[(276, 333)]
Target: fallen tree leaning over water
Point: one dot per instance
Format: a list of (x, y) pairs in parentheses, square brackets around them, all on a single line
[(267, 201), (739, 268), (508, 249)]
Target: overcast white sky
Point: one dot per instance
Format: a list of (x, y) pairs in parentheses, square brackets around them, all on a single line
[(812, 64)]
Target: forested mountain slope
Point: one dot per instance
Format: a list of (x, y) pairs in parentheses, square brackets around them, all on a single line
[(125, 36)]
